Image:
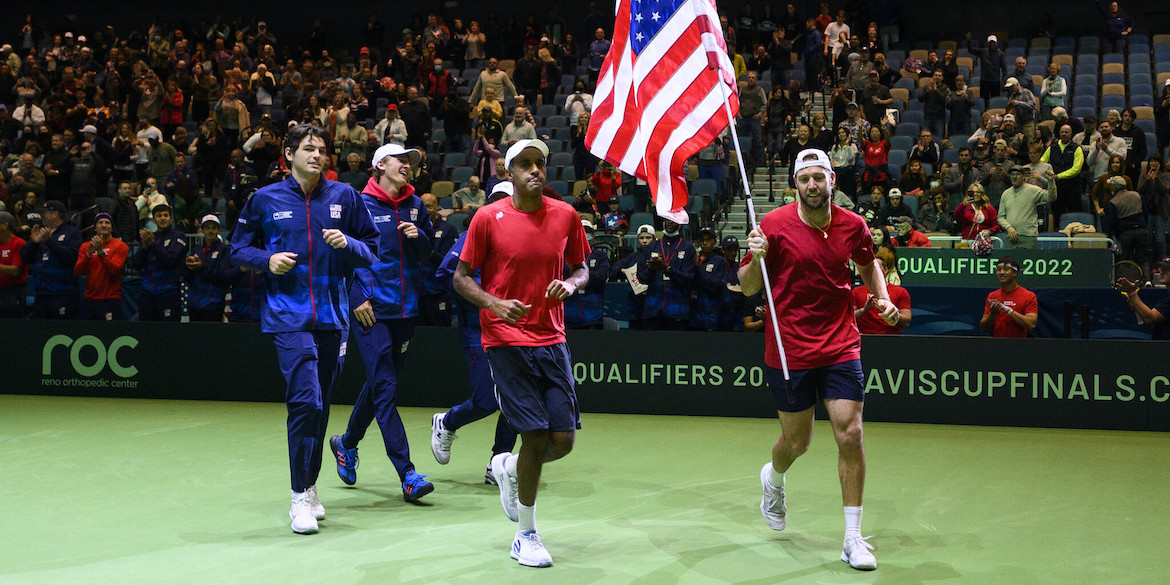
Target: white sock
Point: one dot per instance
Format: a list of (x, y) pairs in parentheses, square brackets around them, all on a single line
[(510, 463), (296, 495), (775, 477), (852, 520), (527, 518)]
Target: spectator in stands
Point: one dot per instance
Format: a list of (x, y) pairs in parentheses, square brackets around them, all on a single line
[(1067, 160), (670, 276), (469, 198), (926, 150), (501, 175), (753, 102), (159, 260), (100, 261), (934, 98), (1135, 144), (712, 275), (1010, 311), (914, 180), (1104, 148), (976, 215), (487, 157), (993, 66), (354, 175), (1147, 315), (869, 320), (887, 75), (1015, 141), (1117, 27), (435, 302), (495, 79), (391, 129), (50, 254), (1124, 220), (811, 53), (124, 213), (584, 309), (1154, 186), (994, 173), (614, 221), (844, 159), (1162, 118), (13, 272), (1053, 92), (349, 138), (905, 236), (584, 161), (1021, 104), (209, 273), (518, 129), (417, 118), (456, 116), (1019, 204), (877, 158), (1088, 136), (527, 74), (608, 182), (550, 76), (956, 179), (875, 99), (26, 177), (57, 164), (934, 215), (881, 238), (1023, 78), (1102, 192), (160, 160), (892, 208), (239, 181), (959, 102)]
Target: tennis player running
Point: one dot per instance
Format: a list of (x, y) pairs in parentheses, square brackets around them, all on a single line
[(522, 243), (808, 247)]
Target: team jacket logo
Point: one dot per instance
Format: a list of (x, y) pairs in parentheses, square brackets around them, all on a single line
[(382, 218), (335, 211), (414, 214), (438, 234), (281, 215)]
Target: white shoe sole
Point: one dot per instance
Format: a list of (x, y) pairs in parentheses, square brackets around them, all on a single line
[(528, 563), (502, 481), (859, 567), (764, 483), (311, 529), (436, 450)]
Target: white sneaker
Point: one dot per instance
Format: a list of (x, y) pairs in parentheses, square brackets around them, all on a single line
[(301, 513), (529, 551), (509, 488), (855, 551), (773, 506), (441, 439), (488, 478), (315, 503)]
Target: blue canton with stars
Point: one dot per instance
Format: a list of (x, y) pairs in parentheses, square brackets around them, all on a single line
[(647, 17)]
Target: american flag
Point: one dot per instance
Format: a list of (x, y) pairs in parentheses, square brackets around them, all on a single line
[(658, 99)]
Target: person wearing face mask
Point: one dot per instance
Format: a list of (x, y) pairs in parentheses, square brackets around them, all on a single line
[(671, 275), (518, 129)]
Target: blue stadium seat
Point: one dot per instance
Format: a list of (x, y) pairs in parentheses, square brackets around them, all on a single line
[(1081, 112), (1089, 79), (1112, 78), (1077, 216), (1041, 60), (563, 134), (913, 117), (557, 122), (546, 110), (460, 175), (897, 158), (1138, 58), (1086, 89), (1147, 126), (1013, 52), (1113, 58), (1140, 88), (951, 155), (998, 102), (906, 129), (1087, 42), (560, 159), (1088, 58), (555, 145), (1111, 102), (1141, 99), (454, 159), (704, 187), (569, 174), (1162, 67), (457, 220), (1138, 69), (905, 83), (1085, 101), (1084, 68), (1060, 49), (1037, 69), (561, 187)]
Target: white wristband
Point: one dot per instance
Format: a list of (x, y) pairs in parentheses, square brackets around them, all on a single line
[(1009, 310)]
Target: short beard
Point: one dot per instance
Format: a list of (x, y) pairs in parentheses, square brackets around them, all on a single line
[(804, 200)]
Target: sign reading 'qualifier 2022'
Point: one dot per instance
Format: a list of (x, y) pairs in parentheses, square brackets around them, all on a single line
[(1054, 268)]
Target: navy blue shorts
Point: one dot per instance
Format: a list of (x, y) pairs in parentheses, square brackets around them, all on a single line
[(535, 385), (843, 380)]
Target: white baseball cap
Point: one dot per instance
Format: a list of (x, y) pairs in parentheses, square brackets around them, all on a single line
[(394, 150), (811, 157), (209, 217), (588, 225), (519, 147), (992, 39), (504, 187)]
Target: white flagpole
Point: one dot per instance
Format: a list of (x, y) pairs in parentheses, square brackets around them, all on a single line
[(712, 50)]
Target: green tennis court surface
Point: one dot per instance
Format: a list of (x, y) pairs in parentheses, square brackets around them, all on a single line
[(143, 491)]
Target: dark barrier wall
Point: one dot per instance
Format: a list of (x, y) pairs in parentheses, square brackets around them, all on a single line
[(955, 380)]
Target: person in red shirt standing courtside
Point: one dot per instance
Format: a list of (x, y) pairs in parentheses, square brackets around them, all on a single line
[(100, 261)]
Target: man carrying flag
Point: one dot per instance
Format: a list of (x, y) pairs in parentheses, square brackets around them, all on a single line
[(661, 94), (808, 248)]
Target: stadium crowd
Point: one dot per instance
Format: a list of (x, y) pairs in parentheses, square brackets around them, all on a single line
[(125, 153)]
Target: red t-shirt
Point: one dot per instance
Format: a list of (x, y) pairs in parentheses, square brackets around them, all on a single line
[(10, 256), (871, 323), (520, 254), (103, 274), (811, 282), (877, 154), (1020, 300), (917, 240)]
